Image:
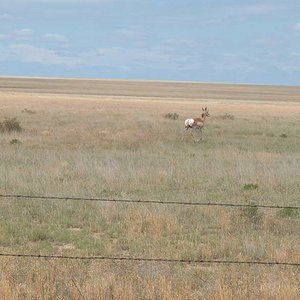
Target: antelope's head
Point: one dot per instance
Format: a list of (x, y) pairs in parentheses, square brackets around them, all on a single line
[(205, 112)]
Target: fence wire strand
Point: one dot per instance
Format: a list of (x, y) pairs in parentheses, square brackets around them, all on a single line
[(11, 196), (162, 260)]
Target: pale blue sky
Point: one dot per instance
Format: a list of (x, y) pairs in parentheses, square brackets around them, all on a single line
[(220, 41)]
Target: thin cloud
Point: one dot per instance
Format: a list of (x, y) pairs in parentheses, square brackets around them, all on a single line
[(295, 54), (109, 51), (5, 17), (23, 33), (289, 67), (54, 37), (28, 35), (4, 36), (297, 27), (266, 42), (257, 8), (127, 33), (29, 53)]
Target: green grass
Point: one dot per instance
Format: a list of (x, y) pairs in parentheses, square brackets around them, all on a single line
[(157, 166), (144, 157)]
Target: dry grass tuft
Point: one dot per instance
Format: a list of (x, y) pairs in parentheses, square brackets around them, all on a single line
[(10, 125)]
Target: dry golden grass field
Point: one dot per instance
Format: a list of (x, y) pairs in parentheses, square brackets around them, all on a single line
[(110, 138)]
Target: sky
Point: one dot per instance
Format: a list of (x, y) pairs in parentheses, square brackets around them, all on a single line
[(245, 41)]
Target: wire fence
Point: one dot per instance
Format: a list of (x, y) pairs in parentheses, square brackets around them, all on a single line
[(161, 260), (11, 196)]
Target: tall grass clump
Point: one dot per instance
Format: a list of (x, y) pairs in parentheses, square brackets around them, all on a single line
[(28, 111), (251, 214), (250, 186), (227, 116), (289, 212), (10, 125), (15, 142), (172, 116)]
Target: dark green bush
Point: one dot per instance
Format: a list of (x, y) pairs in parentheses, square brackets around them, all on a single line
[(250, 186)]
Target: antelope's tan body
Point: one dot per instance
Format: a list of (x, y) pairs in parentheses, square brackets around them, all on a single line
[(197, 123)]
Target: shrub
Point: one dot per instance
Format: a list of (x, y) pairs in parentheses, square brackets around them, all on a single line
[(289, 212), (172, 116), (15, 142), (227, 116), (283, 135), (39, 235), (28, 111), (270, 134), (10, 125), (250, 186)]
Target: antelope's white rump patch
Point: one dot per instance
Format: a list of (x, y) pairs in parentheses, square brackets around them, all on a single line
[(189, 122)]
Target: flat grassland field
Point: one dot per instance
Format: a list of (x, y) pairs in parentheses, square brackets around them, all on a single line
[(122, 140)]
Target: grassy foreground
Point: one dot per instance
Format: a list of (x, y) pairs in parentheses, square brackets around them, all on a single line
[(126, 148)]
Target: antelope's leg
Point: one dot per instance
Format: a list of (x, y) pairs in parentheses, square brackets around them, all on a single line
[(199, 129), (191, 131), (184, 131), (195, 141), (200, 134)]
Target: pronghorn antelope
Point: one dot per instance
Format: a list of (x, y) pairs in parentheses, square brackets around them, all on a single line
[(197, 123)]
